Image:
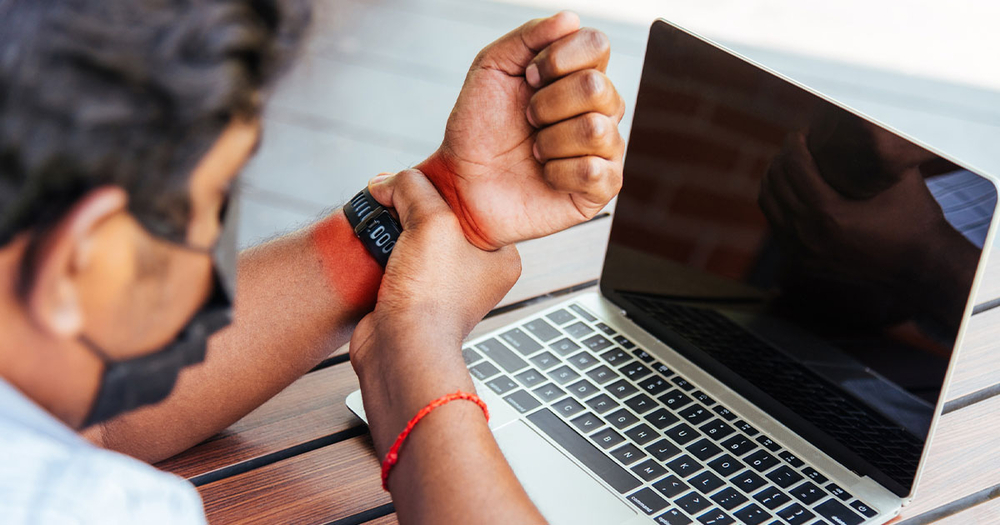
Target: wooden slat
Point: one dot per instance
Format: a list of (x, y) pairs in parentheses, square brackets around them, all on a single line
[(309, 408), (384, 520), (989, 288), (964, 458), (978, 364), (324, 485)]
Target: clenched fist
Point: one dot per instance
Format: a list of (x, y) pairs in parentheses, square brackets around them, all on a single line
[(532, 145)]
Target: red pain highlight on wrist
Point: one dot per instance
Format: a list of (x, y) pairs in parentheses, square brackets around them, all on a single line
[(350, 270), (392, 457), (442, 174)]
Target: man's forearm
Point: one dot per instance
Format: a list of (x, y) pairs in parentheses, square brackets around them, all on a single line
[(294, 306)]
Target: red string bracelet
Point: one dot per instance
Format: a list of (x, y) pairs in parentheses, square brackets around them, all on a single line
[(392, 456)]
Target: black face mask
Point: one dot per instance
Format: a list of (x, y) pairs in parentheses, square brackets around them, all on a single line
[(133, 383)]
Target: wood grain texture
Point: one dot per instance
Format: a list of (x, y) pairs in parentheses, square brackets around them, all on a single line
[(390, 519), (309, 408), (324, 485), (978, 365), (989, 287)]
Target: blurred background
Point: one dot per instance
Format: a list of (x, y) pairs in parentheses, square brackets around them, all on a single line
[(379, 77)]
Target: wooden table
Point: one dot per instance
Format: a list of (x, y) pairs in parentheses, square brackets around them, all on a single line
[(303, 458)]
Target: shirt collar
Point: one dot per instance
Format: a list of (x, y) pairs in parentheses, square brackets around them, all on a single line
[(17, 408)]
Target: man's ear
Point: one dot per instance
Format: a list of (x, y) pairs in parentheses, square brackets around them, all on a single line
[(53, 298)]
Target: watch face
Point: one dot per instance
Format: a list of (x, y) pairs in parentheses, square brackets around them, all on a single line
[(380, 236)]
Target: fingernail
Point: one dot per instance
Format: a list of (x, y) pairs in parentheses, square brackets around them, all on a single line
[(534, 151), (378, 179), (532, 76), (531, 119)]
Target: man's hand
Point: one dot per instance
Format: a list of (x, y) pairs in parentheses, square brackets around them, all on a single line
[(532, 145)]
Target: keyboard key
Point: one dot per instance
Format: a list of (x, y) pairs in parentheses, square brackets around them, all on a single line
[(578, 330), (545, 360), (582, 361), (625, 343), (695, 414), (602, 374), (703, 397), (807, 493), (761, 461), (784, 476), (654, 385), (648, 501), (602, 403), (693, 503), (520, 341), (622, 419), (628, 454), (726, 465), (682, 434), (564, 347), (621, 389), (684, 466), (672, 517), (729, 498), (706, 482), (567, 407), (715, 517), (470, 356), (768, 444), (675, 399), (745, 427), (530, 378), (662, 369), (716, 429), (838, 513), (587, 423), (649, 470), (596, 343), (641, 403), (661, 418), (864, 509), (549, 392), (641, 434), (560, 317), (616, 357), (501, 385), (840, 493), (605, 468), (582, 389), (670, 486), (642, 355), (582, 313), (724, 413), (501, 355), (542, 330), (772, 498), (607, 438), (795, 514), (790, 458), (522, 401), (663, 450), (605, 328), (738, 445), (484, 371), (703, 449), (682, 384), (813, 475), (748, 481), (635, 371), (563, 375), (752, 514)]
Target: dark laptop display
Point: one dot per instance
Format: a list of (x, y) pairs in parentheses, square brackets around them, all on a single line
[(815, 262)]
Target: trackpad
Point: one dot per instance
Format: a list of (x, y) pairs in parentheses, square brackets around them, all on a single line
[(563, 492)]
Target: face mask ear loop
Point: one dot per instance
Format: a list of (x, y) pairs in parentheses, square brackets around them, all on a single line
[(96, 350)]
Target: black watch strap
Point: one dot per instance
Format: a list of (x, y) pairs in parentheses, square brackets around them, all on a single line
[(373, 224)]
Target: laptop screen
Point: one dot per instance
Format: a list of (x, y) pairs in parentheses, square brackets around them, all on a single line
[(813, 261)]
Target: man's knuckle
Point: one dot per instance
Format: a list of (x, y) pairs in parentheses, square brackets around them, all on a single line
[(593, 84), (596, 40), (595, 128), (591, 170)]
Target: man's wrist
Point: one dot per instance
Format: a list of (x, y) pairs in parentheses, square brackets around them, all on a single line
[(441, 171), (351, 272)]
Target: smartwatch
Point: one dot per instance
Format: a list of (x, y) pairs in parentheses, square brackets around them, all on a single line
[(377, 229)]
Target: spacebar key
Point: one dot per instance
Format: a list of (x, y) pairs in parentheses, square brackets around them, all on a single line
[(581, 449)]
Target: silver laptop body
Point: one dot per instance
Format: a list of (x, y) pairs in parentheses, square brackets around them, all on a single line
[(756, 386)]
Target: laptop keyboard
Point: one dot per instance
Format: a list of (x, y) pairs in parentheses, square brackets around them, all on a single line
[(668, 448)]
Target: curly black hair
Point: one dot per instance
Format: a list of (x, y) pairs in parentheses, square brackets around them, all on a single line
[(129, 93)]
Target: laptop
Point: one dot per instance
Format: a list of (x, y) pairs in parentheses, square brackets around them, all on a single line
[(784, 292)]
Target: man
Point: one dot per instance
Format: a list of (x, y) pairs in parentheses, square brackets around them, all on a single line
[(123, 125)]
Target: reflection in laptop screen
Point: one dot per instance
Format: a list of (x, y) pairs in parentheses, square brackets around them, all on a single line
[(816, 262)]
